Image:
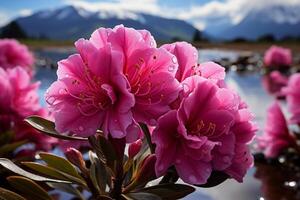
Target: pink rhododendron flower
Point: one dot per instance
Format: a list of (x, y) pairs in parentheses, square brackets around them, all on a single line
[(278, 57), (92, 93), (274, 82), (292, 92), (149, 71), (187, 57), (209, 131), (13, 54), (276, 135), (18, 100)]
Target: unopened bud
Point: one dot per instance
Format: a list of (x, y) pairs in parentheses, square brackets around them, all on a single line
[(76, 158), (134, 148)]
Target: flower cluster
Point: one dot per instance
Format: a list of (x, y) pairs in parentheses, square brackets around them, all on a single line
[(19, 98), (13, 54), (120, 79)]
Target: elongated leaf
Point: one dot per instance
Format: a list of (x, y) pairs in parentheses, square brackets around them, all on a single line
[(60, 163), (215, 179), (48, 127), (54, 173), (67, 188), (28, 187), (16, 169), (11, 147), (9, 195), (141, 196), (169, 191)]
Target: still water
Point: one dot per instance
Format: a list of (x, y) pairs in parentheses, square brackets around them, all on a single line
[(248, 85)]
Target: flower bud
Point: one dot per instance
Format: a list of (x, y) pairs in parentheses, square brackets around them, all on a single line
[(76, 158), (134, 148)]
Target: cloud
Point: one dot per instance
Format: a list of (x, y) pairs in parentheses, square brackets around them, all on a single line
[(147, 6), (4, 18), (25, 12)]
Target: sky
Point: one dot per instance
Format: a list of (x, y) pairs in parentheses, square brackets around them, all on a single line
[(197, 12)]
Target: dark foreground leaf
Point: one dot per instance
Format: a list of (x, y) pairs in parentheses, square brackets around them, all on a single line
[(16, 169), (9, 195), (215, 179), (141, 196), (28, 187), (169, 191), (48, 127)]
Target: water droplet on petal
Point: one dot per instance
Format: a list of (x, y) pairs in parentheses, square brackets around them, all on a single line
[(178, 161), (62, 91), (152, 122), (226, 159), (160, 167), (80, 128), (195, 54), (151, 43), (50, 100), (67, 76), (174, 59), (185, 87), (192, 178), (171, 68)]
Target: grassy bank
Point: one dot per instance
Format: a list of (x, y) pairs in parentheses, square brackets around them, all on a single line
[(244, 46)]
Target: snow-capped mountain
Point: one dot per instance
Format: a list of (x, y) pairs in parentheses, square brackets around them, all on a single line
[(280, 21), (72, 22)]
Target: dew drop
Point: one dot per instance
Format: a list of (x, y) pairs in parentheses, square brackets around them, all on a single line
[(80, 128), (160, 167), (185, 87), (174, 59), (152, 122), (151, 43), (195, 54), (61, 91), (192, 178), (226, 159), (50, 100), (171, 68), (67, 76)]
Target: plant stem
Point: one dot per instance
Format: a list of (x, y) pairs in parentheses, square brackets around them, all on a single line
[(117, 183), (148, 137), (170, 177)]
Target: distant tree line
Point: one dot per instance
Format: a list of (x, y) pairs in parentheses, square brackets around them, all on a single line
[(269, 38)]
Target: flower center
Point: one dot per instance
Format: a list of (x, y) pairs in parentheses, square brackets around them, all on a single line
[(201, 128)]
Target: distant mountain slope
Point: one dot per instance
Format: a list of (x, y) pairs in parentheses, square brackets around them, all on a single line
[(71, 22), (280, 21)]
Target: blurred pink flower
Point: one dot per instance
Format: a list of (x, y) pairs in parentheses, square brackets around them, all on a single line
[(276, 135), (13, 54), (149, 71), (18, 100), (92, 93), (292, 92), (278, 57), (209, 131), (274, 82)]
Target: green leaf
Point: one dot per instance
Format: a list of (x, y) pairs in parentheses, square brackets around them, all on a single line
[(67, 188), (54, 173), (60, 164), (9, 195), (141, 196), (48, 127), (169, 191), (16, 169), (28, 188), (104, 150), (11, 147), (216, 178)]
